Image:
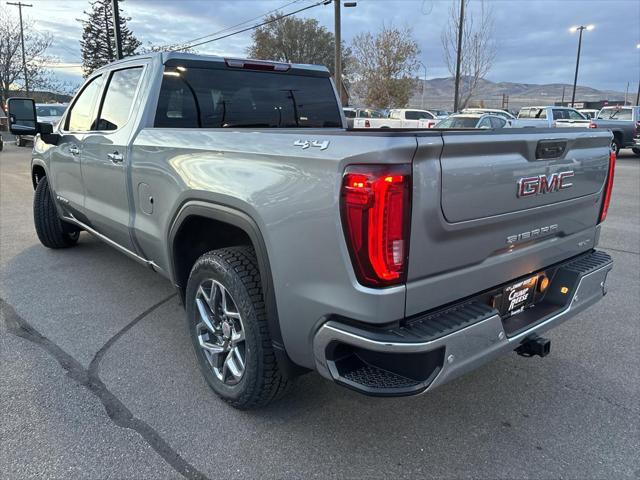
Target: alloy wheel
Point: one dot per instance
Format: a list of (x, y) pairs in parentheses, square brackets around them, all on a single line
[(220, 332)]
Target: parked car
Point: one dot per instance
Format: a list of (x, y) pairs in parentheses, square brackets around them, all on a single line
[(4, 121), (473, 120), (493, 111), (550, 117), (353, 113), (624, 123), (440, 114), (390, 264), (46, 113), (588, 112), (399, 118)]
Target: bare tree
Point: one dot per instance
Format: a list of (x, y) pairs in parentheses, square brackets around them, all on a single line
[(478, 47), (384, 66), (11, 67)]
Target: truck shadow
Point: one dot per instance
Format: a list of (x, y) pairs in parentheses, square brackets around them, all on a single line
[(510, 416)]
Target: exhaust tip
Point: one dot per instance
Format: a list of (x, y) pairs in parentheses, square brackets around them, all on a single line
[(534, 345)]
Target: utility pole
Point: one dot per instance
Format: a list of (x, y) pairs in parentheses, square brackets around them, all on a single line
[(580, 29), (458, 56), (116, 28), (638, 94), (338, 54), (626, 94), (562, 101), (338, 38), (24, 59)]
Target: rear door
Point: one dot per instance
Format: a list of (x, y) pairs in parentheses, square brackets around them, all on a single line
[(489, 207), (104, 158)]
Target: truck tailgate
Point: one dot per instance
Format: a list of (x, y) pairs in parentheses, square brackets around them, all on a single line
[(491, 207)]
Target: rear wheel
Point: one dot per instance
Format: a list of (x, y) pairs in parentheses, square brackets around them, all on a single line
[(52, 232), (20, 141), (227, 324), (636, 151)]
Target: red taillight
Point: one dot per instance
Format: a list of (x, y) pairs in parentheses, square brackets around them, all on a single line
[(592, 124), (367, 124), (608, 187), (376, 209)]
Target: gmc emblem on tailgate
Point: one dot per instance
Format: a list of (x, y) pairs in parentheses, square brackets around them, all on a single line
[(555, 182)]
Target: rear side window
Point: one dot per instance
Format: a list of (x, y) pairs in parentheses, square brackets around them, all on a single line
[(119, 98), (219, 98), (525, 113), (82, 113), (497, 122), (416, 115), (350, 113)]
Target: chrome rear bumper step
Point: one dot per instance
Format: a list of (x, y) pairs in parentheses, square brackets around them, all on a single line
[(431, 349)]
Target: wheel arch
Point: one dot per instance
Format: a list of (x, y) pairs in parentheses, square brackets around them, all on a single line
[(238, 225), (38, 170)]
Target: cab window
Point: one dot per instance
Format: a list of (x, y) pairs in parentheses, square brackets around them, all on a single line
[(118, 100), (82, 114)]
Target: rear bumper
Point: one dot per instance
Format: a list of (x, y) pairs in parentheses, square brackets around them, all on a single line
[(428, 351)]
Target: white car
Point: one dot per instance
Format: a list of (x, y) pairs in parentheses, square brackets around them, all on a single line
[(550, 116), (473, 120), (493, 111), (399, 118), (45, 113)]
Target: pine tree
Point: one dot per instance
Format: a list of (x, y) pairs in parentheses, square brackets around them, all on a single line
[(98, 42)]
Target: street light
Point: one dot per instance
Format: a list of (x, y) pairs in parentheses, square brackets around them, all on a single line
[(424, 82), (580, 29)]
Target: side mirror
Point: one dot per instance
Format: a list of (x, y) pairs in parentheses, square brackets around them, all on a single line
[(22, 116)]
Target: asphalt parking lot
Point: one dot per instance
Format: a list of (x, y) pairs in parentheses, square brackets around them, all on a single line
[(98, 380)]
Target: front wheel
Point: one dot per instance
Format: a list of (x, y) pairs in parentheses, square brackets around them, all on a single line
[(52, 232), (636, 151), (615, 146), (227, 323), (20, 141)]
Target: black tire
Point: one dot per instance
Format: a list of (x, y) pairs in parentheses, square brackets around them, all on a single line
[(615, 146), (52, 232), (636, 151), (236, 269), (20, 141)]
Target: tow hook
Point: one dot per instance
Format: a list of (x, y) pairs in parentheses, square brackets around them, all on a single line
[(534, 345)]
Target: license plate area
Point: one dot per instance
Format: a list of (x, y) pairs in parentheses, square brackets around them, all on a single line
[(518, 296)]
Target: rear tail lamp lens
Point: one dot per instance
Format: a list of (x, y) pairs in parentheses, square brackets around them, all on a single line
[(608, 187), (376, 210)]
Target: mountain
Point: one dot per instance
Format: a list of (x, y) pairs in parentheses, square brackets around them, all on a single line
[(438, 94)]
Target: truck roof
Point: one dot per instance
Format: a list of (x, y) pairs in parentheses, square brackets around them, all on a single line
[(166, 57)]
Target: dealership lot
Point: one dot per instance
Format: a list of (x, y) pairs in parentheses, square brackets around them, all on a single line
[(98, 379)]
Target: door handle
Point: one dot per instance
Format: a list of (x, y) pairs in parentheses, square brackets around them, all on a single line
[(115, 157), (74, 150)]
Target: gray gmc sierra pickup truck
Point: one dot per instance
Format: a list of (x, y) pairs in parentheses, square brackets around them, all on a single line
[(388, 261)]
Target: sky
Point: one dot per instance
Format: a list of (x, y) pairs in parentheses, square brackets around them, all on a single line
[(534, 44)]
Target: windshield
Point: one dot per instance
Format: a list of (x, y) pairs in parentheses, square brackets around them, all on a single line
[(50, 110), (616, 113), (458, 122)]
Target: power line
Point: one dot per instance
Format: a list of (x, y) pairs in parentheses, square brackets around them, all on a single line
[(232, 26), (267, 22)]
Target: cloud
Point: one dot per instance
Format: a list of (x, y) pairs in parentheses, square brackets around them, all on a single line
[(533, 42)]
